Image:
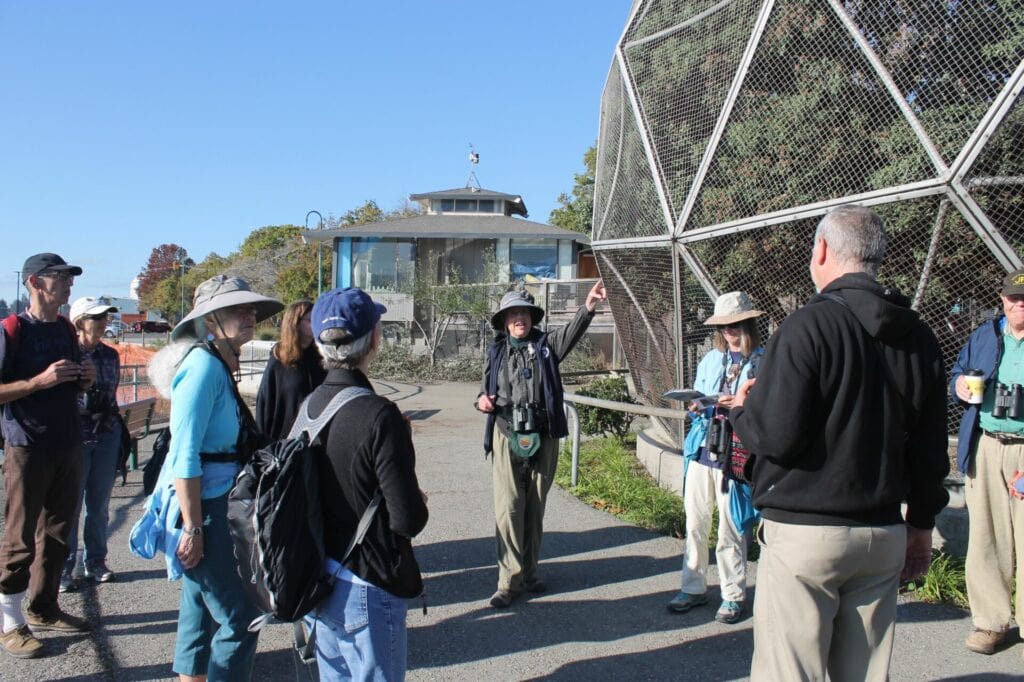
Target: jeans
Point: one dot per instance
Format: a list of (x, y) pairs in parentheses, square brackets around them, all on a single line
[(215, 612), (360, 633), (99, 464)]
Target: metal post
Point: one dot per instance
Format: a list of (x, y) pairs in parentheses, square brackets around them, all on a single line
[(319, 254), (17, 290), (135, 383)]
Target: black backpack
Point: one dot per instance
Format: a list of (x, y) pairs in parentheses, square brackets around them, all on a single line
[(276, 522)]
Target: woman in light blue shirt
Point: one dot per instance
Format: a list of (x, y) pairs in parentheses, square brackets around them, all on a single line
[(212, 434), (726, 367)]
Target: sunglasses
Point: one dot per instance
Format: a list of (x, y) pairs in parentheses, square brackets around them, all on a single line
[(60, 275), (98, 316)]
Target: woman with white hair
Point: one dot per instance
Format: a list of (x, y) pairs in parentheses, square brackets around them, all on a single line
[(731, 363), (212, 434), (360, 627)]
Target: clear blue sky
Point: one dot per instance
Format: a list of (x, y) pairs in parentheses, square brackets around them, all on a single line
[(124, 125)]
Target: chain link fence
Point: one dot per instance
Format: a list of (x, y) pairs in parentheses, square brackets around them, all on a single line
[(728, 128)]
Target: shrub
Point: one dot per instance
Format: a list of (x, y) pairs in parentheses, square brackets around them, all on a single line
[(595, 421)]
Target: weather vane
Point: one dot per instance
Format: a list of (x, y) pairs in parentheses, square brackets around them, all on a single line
[(474, 159)]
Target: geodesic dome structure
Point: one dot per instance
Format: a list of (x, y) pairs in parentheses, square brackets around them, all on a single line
[(729, 127)]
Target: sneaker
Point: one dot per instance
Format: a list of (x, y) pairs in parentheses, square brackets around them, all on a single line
[(730, 612), (537, 586), (984, 641), (56, 620), (21, 643), (68, 583), (501, 599), (684, 601), (99, 573)]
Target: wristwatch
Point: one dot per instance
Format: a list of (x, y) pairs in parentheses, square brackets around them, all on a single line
[(198, 530)]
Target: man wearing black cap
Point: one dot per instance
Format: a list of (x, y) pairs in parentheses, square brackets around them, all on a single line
[(990, 453), (41, 377)]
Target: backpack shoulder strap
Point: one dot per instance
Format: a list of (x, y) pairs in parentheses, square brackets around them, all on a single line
[(304, 423)]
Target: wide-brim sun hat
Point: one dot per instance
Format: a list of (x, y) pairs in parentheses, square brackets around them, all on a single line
[(220, 292), (731, 308), (516, 299), (89, 305)]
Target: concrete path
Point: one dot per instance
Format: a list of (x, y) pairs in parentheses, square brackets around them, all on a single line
[(605, 617)]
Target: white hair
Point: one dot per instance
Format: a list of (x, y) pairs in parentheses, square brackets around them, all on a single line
[(164, 365), (339, 353), (856, 235)]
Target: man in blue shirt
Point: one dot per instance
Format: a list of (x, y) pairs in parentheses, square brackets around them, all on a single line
[(41, 376), (990, 453)]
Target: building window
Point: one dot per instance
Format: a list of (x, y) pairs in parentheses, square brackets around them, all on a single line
[(465, 205), (533, 258), (447, 204), (380, 264), (487, 205)]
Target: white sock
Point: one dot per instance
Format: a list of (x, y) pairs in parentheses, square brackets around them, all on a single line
[(10, 606)]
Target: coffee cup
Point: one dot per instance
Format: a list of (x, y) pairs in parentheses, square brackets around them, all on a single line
[(975, 380)]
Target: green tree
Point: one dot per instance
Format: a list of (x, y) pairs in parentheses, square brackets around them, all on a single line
[(271, 238), (576, 210), (5, 310)]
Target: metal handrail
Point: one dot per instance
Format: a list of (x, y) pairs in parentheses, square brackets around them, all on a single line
[(572, 399)]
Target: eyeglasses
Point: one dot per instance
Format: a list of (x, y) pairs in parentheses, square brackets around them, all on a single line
[(59, 275), (98, 316), (737, 325)]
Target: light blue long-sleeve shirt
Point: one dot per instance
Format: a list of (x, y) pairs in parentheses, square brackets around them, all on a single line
[(204, 418)]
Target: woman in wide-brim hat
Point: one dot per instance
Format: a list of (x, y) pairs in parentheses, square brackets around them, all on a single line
[(212, 434), (726, 367)]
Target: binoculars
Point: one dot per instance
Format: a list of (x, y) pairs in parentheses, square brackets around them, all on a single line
[(524, 419), (719, 437), (1007, 403)]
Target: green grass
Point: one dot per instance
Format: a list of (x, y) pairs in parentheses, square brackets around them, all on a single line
[(611, 479), (944, 582)]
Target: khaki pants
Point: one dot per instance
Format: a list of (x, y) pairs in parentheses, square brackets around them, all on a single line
[(826, 602), (520, 493), (996, 536), (702, 491)]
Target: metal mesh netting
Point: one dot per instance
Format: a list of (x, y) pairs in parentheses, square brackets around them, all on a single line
[(948, 59), (639, 283), (839, 101), (631, 207), (807, 78), (682, 78)]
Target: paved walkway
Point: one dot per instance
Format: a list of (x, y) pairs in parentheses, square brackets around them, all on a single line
[(605, 617)]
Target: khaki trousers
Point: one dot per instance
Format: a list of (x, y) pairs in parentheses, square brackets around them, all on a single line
[(702, 491), (996, 534), (826, 602), (520, 494)]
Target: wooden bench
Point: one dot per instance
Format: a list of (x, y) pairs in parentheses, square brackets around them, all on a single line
[(137, 418)]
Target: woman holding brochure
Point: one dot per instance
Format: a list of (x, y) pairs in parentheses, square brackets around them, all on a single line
[(730, 364)]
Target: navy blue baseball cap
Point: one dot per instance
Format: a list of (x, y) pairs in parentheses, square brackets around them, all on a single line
[(47, 262), (350, 309)]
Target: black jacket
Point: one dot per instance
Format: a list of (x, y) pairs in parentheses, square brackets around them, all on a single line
[(369, 445), (283, 389), (835, 444)]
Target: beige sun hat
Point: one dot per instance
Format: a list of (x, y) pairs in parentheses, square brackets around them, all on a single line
[(731, 308), (217, 293)]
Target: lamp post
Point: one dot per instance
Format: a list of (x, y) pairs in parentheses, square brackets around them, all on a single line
[(180, 265), (319, 254), (17, 290)]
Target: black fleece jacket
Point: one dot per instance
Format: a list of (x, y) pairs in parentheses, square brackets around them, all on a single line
[(369, 445), (835, 444)]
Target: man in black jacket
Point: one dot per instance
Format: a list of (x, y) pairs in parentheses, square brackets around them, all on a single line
[(848, 420)]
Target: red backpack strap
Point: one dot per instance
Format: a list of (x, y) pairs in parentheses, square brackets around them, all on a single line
[(12, 327)]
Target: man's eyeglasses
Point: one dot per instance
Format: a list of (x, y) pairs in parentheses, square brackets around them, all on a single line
[(59, 275)]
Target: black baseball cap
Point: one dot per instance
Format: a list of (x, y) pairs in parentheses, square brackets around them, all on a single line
[(1013, 284), (46, 262)]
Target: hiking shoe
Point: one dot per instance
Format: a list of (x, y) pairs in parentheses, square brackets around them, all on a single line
[(730, 612), (684, 601), (984, 641), (99, 573), (501, 599), (21, 643), (56, 620), (537, 587)]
